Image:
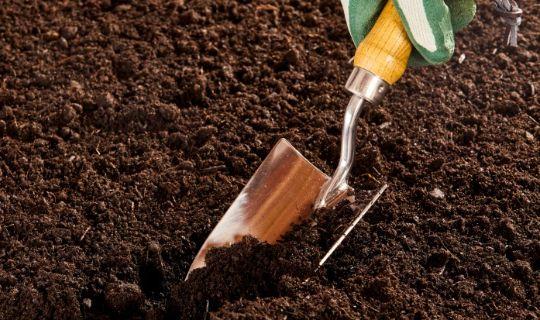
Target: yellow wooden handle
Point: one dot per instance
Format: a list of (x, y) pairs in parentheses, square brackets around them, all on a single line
[(386, 49)]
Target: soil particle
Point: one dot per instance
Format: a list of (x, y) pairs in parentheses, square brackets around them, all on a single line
[(51, 35), (67, 114), (63, 43), (204, 134), (188, 17), (197, 90), (504, 60), (438, 259), (507, 228), (105, 100), (178, 140), (168, 112), (379, 288), (523, 270), (125, 66), (123, 298), (87, 303), (436, 193), (69, 32)]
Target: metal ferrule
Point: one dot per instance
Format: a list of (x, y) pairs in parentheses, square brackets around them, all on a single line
[(365, 84)]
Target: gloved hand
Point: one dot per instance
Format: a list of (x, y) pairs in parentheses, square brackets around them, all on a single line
[(430, 24)]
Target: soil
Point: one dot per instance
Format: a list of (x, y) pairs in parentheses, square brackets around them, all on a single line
[(128, 127)]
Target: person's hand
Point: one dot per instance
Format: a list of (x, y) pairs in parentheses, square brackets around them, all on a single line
[(430, 24)]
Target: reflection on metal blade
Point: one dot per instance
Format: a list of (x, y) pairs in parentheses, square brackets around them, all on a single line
[(282, 191)]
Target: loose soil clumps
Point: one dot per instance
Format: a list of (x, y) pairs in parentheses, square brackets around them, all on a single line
[(128, 127)]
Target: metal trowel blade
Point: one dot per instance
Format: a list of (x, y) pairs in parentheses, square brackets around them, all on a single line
[(280, 193)]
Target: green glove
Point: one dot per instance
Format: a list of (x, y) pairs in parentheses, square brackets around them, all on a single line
[(430, 24)]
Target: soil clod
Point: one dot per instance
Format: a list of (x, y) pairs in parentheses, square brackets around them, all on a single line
[(124, 298)]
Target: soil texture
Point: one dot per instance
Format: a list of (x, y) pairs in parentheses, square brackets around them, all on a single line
[(128, 127)]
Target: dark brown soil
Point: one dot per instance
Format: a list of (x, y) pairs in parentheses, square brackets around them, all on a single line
[(127, 128)]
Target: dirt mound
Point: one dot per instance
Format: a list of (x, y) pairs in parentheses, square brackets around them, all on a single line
[(128, 127)]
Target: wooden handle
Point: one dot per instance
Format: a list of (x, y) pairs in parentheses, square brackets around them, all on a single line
[(386, 49)]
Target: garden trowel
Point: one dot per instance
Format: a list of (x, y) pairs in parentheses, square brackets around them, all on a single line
[(286, 187)]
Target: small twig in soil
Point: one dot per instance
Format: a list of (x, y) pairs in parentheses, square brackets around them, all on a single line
[(206, 310), (372, 178), (533, 119), (353, 224), (84, 233), (442, 269), (373, 308), (214, 169)]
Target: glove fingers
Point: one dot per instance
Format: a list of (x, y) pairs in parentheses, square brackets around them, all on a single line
[(416, 60), (461, 12), (429, 27), (361, 16)]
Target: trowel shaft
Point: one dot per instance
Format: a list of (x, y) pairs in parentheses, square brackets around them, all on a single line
[(380, 60)]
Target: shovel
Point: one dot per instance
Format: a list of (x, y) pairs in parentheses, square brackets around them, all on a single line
[(286, 187)]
